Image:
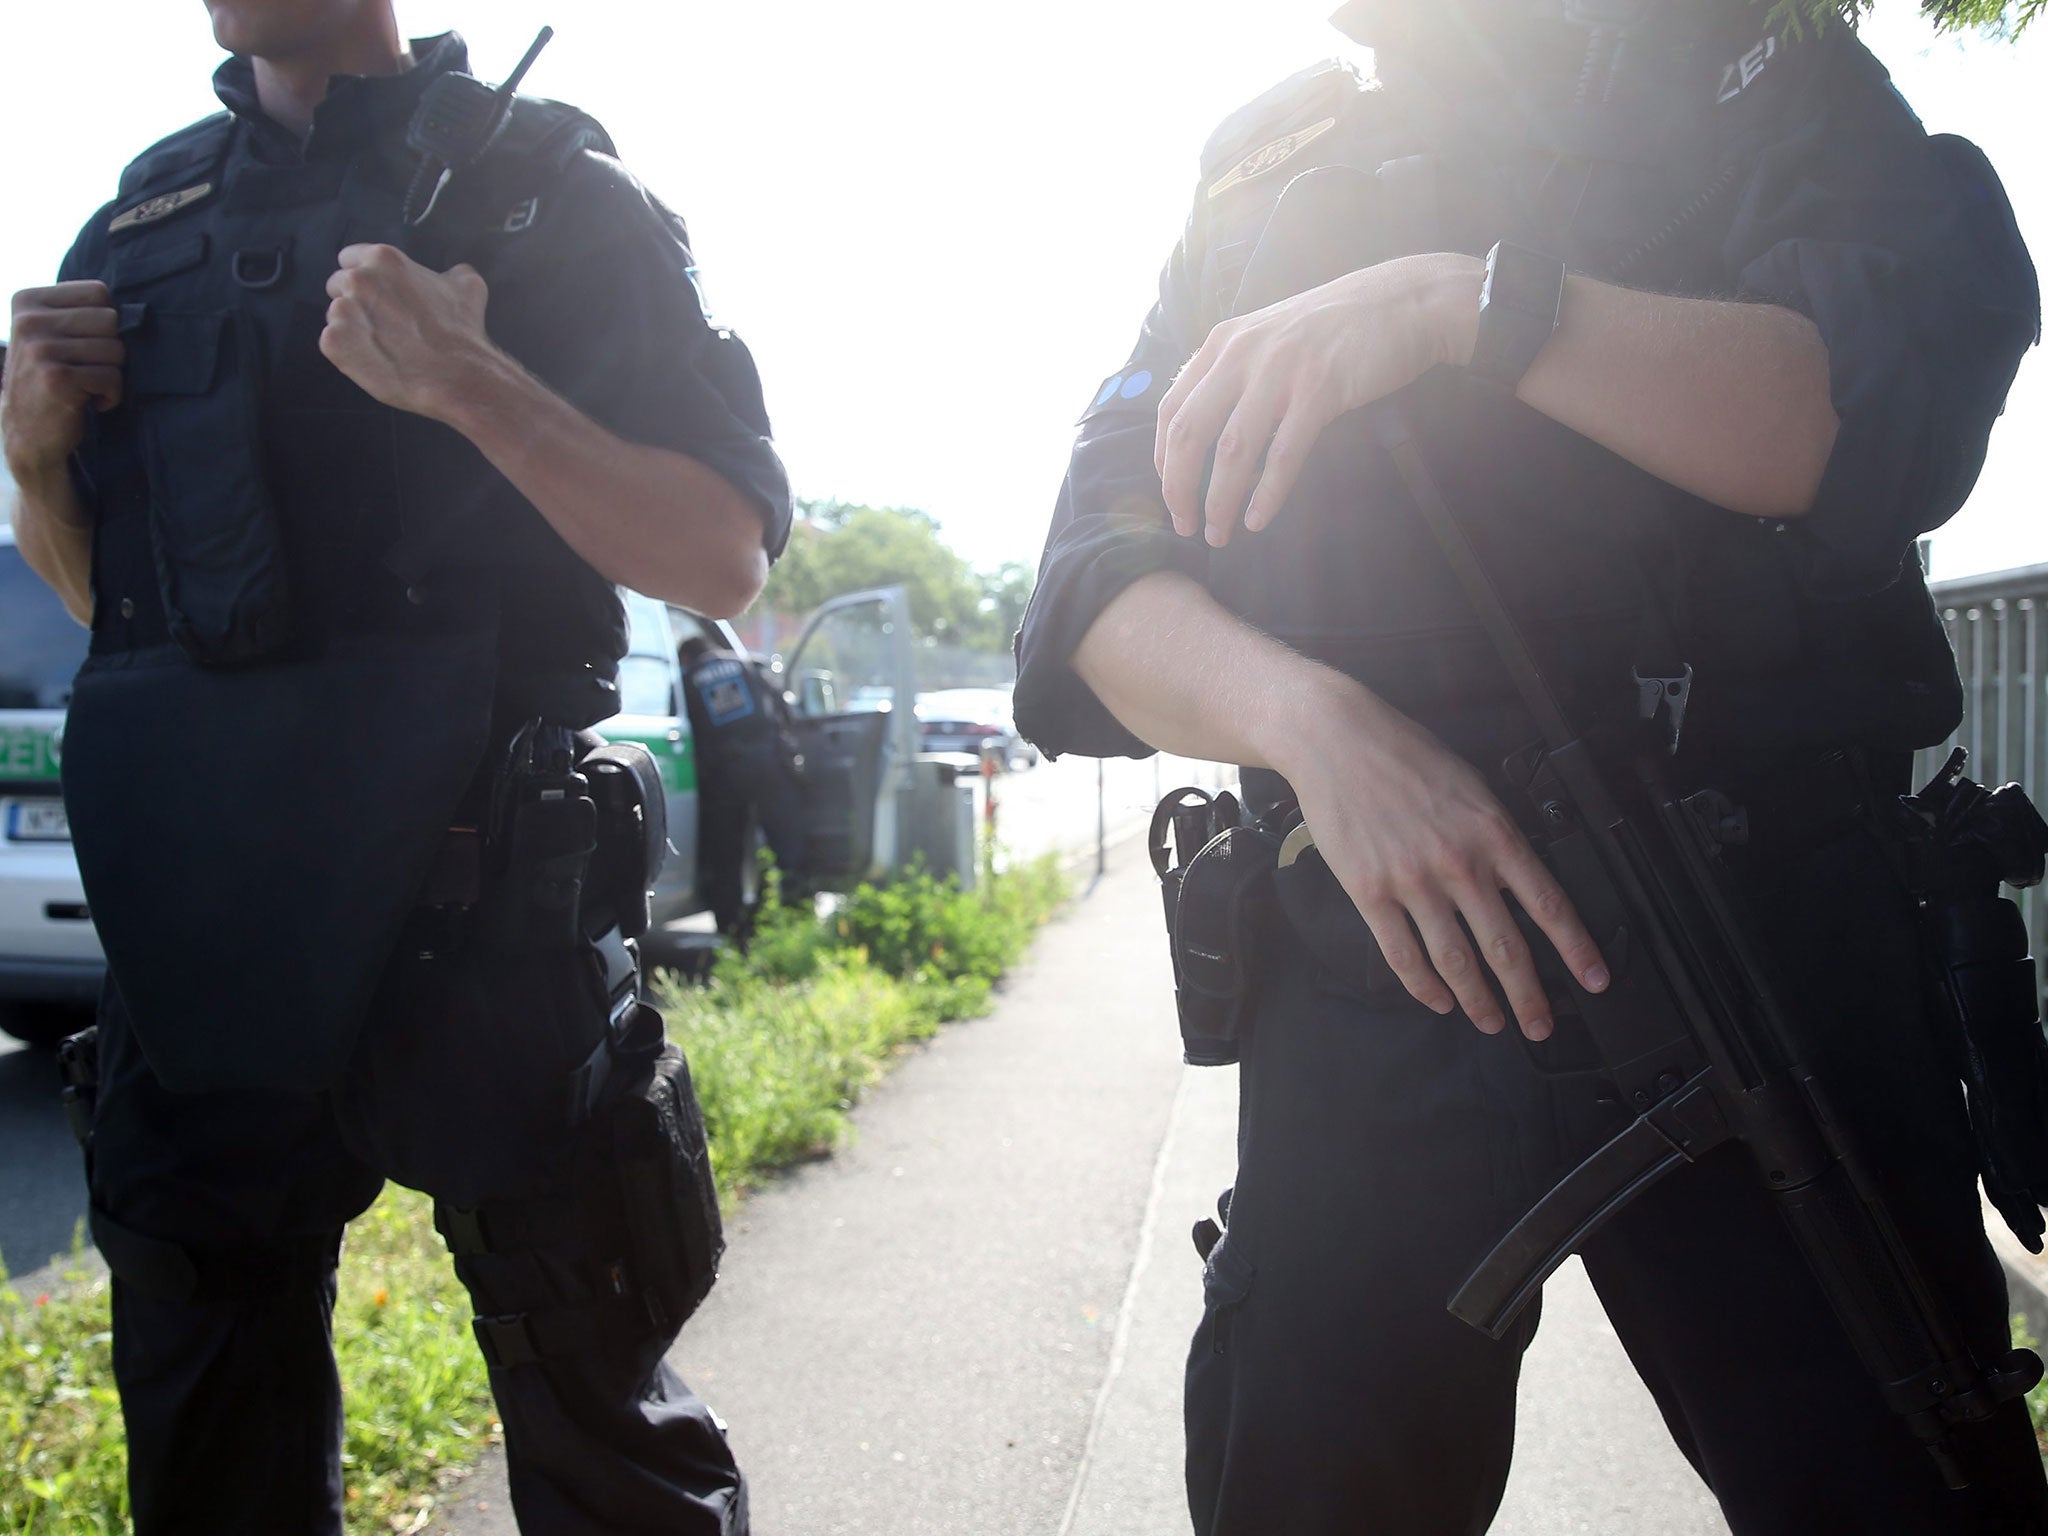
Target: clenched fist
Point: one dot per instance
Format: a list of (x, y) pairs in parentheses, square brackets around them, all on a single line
[(401, 332), (65, 358)]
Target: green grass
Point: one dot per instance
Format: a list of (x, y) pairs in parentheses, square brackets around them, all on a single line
[(782, 1043), (419, 1405), (61, 1459), (2037, 1400)]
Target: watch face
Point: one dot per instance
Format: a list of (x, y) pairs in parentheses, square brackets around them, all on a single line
[(1523, 279)]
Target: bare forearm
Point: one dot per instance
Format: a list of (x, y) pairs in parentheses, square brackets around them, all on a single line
[(1728, 401), (648, 518), (54, 535), (1187, 676)]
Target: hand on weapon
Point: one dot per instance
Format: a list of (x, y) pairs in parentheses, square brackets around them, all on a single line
[(1264, 385), (1425, 851), (402, 332)]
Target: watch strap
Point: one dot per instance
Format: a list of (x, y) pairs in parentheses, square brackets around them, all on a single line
[(1519, 308)]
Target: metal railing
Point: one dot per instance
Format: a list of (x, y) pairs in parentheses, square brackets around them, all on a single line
[(1999, 627)]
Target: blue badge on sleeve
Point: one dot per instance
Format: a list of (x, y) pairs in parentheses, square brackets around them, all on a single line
[(727, 698), (1137, 384), (1109, 390)]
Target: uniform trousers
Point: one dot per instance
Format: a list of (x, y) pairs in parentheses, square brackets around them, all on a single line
[(744, 785), (458, 1088), (1384, 1150)]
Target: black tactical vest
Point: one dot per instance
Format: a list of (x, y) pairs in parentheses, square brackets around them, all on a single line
[(295, 658)]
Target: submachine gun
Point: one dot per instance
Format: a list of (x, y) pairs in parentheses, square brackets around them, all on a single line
[(1693, 1032)]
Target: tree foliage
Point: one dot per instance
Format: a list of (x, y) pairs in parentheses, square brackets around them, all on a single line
[(838, 547), (2006, 18)]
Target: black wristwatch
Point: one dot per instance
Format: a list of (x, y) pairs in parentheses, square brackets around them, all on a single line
[(1518, 312)]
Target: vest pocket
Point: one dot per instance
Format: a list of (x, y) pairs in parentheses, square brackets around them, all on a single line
[(193, 379)]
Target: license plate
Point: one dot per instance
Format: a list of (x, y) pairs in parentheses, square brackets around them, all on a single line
[(37, 821)]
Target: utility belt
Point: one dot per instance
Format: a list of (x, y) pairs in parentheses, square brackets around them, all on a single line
[(1230, 870)]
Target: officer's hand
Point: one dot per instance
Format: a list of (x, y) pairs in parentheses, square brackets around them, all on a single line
[(403, 333), (1264, 385), (1418, 842), (65, 359)]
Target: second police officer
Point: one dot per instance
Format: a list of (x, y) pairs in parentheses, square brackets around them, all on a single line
[(749, 778), (1747, 332), (344, 419)]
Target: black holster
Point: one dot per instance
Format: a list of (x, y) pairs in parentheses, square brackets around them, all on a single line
[(669, 1191), (1215, 869), (1962, 841), (78, 1064), (632, 832)]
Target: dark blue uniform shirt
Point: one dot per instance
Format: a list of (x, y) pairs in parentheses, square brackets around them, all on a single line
[(593, 289), (1728, 164)]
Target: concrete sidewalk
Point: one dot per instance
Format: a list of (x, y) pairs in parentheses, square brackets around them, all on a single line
[(972, 1322)]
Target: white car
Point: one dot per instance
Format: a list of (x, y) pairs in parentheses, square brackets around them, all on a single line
[(973, 720), (50, 959)]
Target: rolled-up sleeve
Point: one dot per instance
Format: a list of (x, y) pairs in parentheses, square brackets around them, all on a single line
[(1109, 528), (1903, 251), (626, 338)]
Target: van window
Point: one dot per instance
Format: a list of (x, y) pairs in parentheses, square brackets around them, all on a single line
[(40, 646), (647, 686), (647, 626), (689, 627)]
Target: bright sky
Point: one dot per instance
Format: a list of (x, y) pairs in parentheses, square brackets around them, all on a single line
[(937, 224)]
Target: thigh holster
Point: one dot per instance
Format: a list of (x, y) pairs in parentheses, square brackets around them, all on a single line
[(650, 1231)]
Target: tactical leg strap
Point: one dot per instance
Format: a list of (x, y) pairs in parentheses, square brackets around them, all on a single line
[(520, 1226), (527, 1338), (167, 1271)]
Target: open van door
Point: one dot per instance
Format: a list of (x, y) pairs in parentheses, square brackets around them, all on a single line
[(852, 680)]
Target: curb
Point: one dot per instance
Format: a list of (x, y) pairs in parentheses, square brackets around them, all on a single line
[(1075, 864)]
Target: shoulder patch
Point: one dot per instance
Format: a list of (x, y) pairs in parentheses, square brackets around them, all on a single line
[(161, 206), (1270, 156), (1297, 103)]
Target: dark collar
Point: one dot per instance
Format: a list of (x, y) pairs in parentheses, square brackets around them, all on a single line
[(358, 108)]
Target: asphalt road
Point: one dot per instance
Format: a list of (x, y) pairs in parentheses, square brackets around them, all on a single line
[(42, 1179)]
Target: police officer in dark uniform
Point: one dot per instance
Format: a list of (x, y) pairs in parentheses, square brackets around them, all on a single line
[(1698, 330), (342, 423), (749, 774)]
